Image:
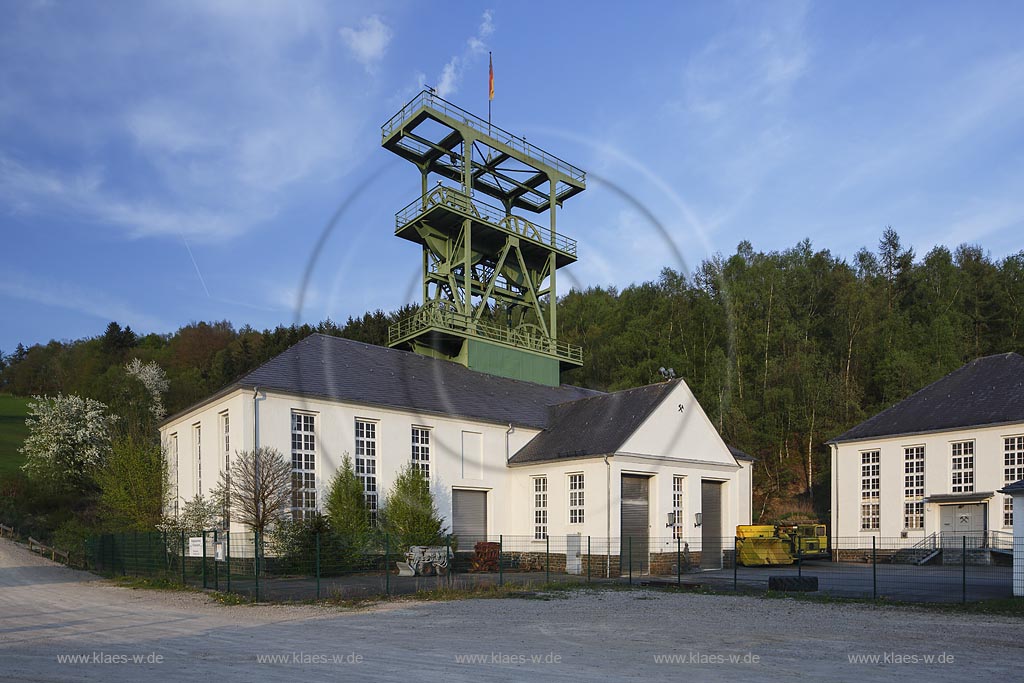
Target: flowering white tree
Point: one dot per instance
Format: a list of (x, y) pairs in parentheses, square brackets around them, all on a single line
[(69, 438), (154, 379)]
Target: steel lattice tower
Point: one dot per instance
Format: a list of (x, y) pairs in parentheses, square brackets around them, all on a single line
[(489, 297)]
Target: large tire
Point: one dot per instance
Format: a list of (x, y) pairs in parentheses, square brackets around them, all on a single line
[(804, 584)]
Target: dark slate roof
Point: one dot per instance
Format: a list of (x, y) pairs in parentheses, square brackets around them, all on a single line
[(593, 426), (328, 367), (986, 391), (740, 455), (1015, 487)]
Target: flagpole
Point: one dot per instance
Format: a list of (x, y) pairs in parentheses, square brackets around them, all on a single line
[(490, 88)]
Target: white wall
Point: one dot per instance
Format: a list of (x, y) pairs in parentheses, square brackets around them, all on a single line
[(846, 479), (668, 443)]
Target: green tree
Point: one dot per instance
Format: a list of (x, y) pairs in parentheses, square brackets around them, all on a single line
[(132, 485), (346, 502), (409, 513)]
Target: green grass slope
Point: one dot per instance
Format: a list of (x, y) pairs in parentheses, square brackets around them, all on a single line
[(12, 433)]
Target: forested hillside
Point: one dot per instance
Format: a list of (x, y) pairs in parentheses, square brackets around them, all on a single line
[(783, 349)]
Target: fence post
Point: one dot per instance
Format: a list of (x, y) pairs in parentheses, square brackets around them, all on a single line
[(387, 561), (874, 569), (227, 555), (629, 541), (450, 556), (182, 557), (799, 566), (317, 565), (216, 567), (679, 561), (204, 558), (547, 558), (501, 544), (135, 552), (735, 564), (256, 561), (589, 559), (963, 570)]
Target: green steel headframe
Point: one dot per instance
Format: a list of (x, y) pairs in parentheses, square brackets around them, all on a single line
[(489, 296)]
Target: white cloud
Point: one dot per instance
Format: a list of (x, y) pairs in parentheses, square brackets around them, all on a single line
[(83, 196), (207, 145), (369, 42), (451, 74), (74, 297)]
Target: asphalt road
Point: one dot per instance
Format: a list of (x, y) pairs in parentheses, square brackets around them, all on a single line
[(58, 624)]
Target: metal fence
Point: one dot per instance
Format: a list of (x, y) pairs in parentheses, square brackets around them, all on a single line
[(325, 565)]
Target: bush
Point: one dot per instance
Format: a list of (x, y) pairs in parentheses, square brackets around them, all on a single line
[(409, 514)]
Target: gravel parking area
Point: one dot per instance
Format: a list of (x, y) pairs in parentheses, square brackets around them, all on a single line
[(58, 624)]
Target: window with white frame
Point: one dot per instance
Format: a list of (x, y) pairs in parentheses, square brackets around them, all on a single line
[(197, 453), (421, 450), (575, 499), (1013, 471), (303, 465), (225, 431), (870, 475), (366, 464), (225, 436), (962, 467), (540, 508), (678, 483), (913, 487), (177, 478)]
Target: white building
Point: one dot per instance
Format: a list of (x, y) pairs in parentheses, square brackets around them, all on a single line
[(504, 456), (935, 462)]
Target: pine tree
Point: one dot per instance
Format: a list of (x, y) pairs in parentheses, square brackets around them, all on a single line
[(409, 513)]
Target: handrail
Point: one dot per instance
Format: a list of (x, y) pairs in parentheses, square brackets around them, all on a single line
[(42, 548), (460, 202), (429, 100), (927, 542), (525, 337), (1000, 540)]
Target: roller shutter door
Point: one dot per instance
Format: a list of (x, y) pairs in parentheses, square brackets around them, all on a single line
[(469, 517), (635, 521), (711, 525)]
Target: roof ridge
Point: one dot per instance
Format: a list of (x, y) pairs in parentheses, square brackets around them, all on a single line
[(936, 407)]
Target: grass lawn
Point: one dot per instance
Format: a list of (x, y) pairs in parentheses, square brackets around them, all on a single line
[(12, 433)]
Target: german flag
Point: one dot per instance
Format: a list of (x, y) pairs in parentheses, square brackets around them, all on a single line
[(490, 78)]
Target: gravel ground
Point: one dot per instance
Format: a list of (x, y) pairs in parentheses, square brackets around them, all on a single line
[(48, 613)]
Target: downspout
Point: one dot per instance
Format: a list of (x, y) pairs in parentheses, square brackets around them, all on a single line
[(255, 451), (510, 430), (608, 518), (834, 448)]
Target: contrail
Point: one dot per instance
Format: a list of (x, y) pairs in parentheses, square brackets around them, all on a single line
[(191, 256)]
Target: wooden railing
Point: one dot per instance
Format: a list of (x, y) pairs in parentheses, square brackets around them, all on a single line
[(43, 549)]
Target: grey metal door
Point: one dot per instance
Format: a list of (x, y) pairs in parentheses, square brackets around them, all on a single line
[(711, 525), (573, 554), (469, 517), (962, 520), (635, 523)]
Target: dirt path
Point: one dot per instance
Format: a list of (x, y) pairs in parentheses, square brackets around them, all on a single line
[(49, 613)]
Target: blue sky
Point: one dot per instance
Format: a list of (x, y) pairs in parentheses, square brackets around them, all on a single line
[(168, 162)]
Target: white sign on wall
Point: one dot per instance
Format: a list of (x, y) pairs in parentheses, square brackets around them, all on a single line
[(195, 546)]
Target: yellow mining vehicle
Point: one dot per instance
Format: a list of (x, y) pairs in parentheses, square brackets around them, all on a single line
[(759, 545)]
